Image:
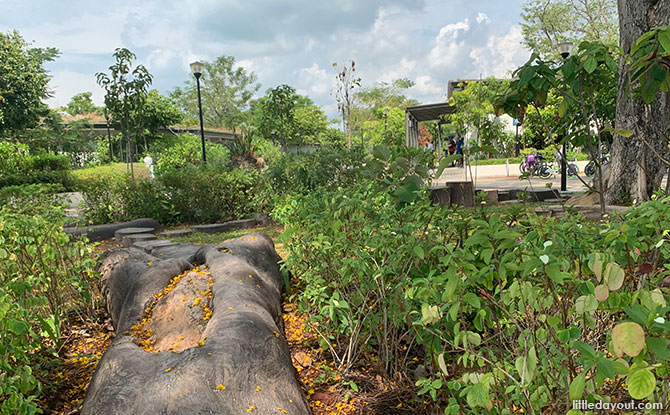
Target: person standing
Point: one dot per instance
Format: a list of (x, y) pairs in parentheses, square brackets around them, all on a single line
[(459, 150)]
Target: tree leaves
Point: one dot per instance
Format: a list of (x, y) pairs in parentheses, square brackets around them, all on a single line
[(577, 387), (602, 292), (627, 338), (613, 276), (641, 383)]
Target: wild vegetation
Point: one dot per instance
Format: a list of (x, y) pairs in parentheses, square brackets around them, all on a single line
[(448, 310)]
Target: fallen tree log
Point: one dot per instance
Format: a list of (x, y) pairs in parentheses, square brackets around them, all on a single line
[(199, 331)]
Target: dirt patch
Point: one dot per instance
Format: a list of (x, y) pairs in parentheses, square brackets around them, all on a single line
[(67, 380), (177, 315), (589, 199)]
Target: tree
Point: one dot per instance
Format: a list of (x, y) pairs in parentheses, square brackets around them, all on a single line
[(288, 118), (637, 166), (387, 127), (550, 22), (585, 81), (279, 108), (385, 94), (226, 93), (474, 110), (160, 112), (23, 83), (81, 104), (344, 95), (126, 94), (372, 100)]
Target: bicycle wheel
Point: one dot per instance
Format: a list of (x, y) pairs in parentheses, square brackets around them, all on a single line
[(544, 171), (590, 169), (573, 170), (522, 167)]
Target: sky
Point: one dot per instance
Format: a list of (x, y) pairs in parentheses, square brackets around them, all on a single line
[(292, 42)]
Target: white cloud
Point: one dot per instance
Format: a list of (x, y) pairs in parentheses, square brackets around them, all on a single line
[(403, 69), (66, 84), (501, 55), (448, 43), (483, 17), (425, 85), (84, 35), (314, 80)]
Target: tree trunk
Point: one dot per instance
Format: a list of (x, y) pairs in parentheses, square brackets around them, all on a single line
[(636, 171)]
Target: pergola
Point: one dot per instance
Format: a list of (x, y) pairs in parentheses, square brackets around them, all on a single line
[(429, 112)]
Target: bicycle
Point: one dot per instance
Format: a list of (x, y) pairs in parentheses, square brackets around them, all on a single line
[(591, 168), (535, 165), (571, 169)]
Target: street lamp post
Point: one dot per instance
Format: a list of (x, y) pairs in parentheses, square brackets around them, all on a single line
[(516, 123), (564, 48), (386, 114), (196, 69)]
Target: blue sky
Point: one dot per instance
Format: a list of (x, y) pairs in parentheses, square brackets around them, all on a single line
[(282, 41)]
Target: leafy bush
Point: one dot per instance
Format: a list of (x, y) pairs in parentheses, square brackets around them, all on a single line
[(18, 167), (193, 194), (305, 172), (43, 276), (267, 150), (176, 152), (13, 158), (501, 306), (63, 178), (31, 198), (49, 162)]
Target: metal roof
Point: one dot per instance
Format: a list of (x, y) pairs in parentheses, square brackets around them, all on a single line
[(430, 112)]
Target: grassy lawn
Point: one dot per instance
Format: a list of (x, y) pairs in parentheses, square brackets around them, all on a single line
[(109, 170), (217, 238)]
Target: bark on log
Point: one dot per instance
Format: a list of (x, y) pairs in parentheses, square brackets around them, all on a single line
[(244, 348), (635, 170)]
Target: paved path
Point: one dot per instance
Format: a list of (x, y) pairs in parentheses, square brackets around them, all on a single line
[(504, 177), (72, 199)]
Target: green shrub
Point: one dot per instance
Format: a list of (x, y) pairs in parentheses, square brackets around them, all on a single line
[(185, 150), (267, 150), (49, 162), (18, 167), (305, 172), (31, 198), (508, 309), (63, 178), (13, 158), (193, 194), (44, 275)]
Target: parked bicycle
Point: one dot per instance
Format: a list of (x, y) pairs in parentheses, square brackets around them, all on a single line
[(571, 168), (535, 164), (591, 168)]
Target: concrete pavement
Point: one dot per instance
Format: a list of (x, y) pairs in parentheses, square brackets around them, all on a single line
[(506, 177)]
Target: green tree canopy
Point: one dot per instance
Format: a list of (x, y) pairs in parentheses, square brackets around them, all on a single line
[(81, 104), (288, 118), (160, 112), (386, 94), (226, 91), (367, 112), (546, 23), (23, 82), (475, 112)]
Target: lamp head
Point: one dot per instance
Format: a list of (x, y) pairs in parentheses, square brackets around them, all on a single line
[(197, 68), (565, 49)]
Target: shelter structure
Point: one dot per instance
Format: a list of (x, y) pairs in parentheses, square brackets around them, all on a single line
[(428, 112)]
